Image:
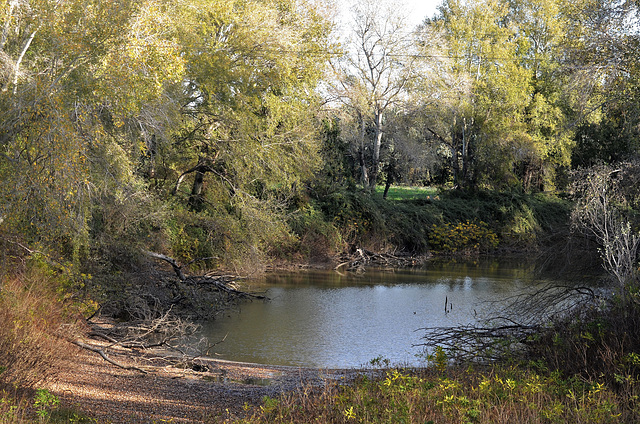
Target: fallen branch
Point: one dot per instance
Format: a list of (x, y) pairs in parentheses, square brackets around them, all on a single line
[(176, 268), (223, 287), (106, 358), (218, 282), (363, 257)]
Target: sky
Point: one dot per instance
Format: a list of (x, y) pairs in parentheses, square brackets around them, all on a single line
[(417, 9), (422, 9)]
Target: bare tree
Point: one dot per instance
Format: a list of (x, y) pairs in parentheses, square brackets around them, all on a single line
[(599, 213), (512, 325), (375, 77)]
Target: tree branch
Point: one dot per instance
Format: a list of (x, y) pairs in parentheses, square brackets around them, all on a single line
[(106, 358), (176, 268)]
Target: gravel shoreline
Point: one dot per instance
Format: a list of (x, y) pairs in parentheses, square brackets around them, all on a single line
[(220, 391)]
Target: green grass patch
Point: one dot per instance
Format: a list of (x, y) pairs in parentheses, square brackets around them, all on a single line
[(407, 192)]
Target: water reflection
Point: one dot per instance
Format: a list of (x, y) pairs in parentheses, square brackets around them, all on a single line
[(327, 319)]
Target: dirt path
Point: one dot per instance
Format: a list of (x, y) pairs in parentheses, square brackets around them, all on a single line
[(220, 391)]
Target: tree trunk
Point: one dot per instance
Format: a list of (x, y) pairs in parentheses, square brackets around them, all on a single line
[(455, 166), (195, 198), (375, 161), (465, 153), (16, 67), (361, 157), (387, 185)]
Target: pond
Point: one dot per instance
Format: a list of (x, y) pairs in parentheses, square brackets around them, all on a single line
[(327, 319)]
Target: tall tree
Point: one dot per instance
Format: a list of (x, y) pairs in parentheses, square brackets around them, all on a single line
[(375, 77), (252, 69), (602, 47), (493, 90)]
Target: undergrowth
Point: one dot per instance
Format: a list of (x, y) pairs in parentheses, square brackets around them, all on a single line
[(37, 317), (422, 223), (32, 333), (500, 394)]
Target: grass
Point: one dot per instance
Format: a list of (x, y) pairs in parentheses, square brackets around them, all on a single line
[(407, 192), (31, 340), (500, 394), (39, 406)]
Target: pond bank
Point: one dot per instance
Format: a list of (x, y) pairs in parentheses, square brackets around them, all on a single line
[(225, 391)]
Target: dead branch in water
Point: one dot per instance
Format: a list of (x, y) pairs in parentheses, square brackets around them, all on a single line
[(515, 323), (222, 283), (362, 258)]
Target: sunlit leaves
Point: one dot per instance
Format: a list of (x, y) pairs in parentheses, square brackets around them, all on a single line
[(44, 168), (252, 69), (60, 111)]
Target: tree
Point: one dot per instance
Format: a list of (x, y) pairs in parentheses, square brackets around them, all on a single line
[(541, 28), (252, 68), (605, 196), (602, 46), (374, 79), (485, 92), (249, 138), (43, 160), (78, 76)]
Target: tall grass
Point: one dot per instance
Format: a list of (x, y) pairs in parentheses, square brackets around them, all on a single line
[(33, 332)]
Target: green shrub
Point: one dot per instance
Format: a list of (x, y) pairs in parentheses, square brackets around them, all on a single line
[(44, 402), (408, 223), (317, 238)]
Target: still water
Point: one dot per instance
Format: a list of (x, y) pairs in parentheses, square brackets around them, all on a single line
[(328, 319)]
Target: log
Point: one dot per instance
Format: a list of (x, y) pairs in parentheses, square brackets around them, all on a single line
[(221, 286)]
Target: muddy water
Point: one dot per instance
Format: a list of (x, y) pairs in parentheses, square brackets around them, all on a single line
[(328, 319)]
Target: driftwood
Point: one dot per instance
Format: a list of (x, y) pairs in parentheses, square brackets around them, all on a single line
[(160, 314), (166, 331), (362, 258), (106, 358), (223, 284)]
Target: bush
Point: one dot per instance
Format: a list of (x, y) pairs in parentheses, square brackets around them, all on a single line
[(467, 237), (595, 343), (425, 222), (318, 238)]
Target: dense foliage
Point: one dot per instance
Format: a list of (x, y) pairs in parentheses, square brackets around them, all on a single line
[(241, 131)]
